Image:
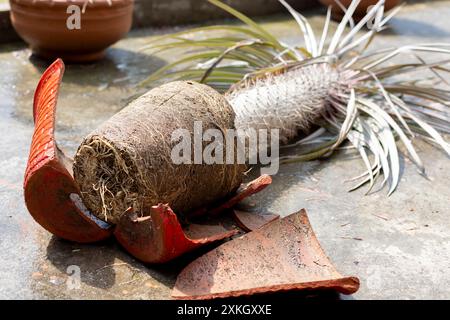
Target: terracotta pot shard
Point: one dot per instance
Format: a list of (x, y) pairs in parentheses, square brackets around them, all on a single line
[(281, 256), (245, 191), (50, 192), (159, 237)]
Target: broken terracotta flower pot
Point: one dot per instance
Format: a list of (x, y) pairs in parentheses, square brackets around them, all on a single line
[(47, 26), (289, 257), (53, 198)]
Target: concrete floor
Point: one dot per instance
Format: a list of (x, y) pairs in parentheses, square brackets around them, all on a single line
[(399, 246)]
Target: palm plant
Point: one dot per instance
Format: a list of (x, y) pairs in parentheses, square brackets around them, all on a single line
[(333, 89)]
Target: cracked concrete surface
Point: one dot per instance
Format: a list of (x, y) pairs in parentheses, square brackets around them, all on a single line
[(399, 246)]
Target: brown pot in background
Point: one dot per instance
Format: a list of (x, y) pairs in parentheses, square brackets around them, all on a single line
[(43, 25), (360, 11)]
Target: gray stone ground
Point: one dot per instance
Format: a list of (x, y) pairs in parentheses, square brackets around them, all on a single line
[(403, 249)]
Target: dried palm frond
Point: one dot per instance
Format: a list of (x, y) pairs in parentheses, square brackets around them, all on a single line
[(333, 81)]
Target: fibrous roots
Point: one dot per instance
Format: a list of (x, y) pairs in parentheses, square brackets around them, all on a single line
[(126, 163)]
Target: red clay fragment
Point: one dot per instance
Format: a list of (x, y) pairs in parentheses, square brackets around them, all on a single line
[(159, 237), (51, 195), (246, 191), (283, 255), (249, 221)]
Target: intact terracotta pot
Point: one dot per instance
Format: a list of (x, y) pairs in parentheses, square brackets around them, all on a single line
[(360, 11), (43, 25)]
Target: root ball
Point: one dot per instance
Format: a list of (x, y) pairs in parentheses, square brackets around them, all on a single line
[(126, 162)]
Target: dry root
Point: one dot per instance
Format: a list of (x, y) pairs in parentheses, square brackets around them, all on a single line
[(126, 163)]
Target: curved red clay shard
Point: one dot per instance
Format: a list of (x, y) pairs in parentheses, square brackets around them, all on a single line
[(249, 189), (289, 257), (51, 195), (245, 191), (159, 237)]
